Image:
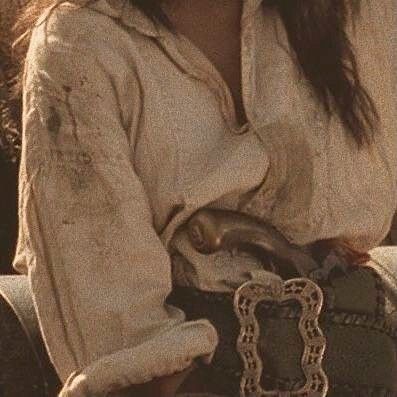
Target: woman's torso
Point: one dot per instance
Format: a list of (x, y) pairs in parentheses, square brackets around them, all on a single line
[(288, 164)]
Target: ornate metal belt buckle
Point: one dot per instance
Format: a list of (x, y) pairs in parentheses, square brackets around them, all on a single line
[(310, 296)]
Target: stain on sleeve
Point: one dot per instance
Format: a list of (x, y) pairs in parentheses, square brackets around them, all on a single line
[(54, 122)]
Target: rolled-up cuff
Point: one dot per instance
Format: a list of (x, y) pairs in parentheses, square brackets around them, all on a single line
[(168, 353)]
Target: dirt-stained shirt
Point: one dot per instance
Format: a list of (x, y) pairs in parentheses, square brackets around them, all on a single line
[(128, 129)]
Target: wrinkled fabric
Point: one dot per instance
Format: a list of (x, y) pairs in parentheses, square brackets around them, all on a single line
[(129, 129)]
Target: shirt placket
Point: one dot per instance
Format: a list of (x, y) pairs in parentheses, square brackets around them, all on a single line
[(247, 56)]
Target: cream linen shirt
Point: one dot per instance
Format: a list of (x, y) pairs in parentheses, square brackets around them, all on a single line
[(129, 129)]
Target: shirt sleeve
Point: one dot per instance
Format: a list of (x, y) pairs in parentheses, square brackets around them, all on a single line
[(98, 271)]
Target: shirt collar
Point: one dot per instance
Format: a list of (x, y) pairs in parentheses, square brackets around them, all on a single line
[(133, 17), (127, 14)]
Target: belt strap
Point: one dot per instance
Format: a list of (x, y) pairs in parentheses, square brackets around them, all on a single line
[(360, 354)]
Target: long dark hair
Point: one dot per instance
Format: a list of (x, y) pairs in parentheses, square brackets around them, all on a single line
[(317, 33)]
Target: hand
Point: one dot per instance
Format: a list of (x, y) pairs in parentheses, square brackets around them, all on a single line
[(165, 386)]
